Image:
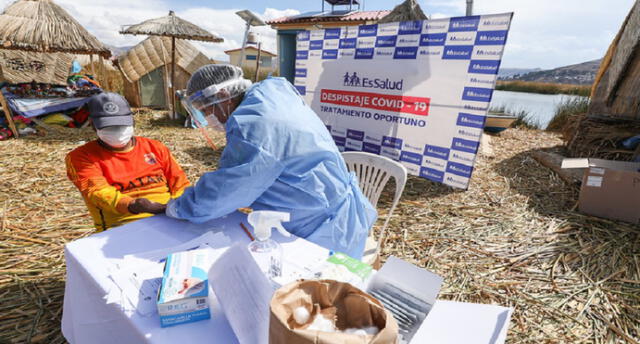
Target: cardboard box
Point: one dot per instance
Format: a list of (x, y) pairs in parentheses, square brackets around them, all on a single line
[(409, 293), (183, 296), (610, 189)]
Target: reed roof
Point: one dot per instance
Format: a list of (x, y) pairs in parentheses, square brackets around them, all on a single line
[(155, 52), (172, 26), (43, 26), (26, 66), (408, 10)]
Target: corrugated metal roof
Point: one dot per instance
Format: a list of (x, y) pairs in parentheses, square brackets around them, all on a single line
[(355, 16)]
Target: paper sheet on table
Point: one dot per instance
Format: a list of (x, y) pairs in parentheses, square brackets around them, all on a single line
[(244, 293), (139, 285), (139, 276), (300, 262), (208, 239)]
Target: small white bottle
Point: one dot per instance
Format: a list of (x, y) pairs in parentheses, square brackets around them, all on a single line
[(266, 252)]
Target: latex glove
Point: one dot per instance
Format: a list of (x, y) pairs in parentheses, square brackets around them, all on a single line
[(143, 205)]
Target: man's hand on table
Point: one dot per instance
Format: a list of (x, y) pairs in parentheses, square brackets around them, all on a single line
[(143, 205)]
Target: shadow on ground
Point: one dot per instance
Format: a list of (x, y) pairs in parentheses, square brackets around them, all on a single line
[(604, 254), (164, 121), (547, 194), (206, 155)]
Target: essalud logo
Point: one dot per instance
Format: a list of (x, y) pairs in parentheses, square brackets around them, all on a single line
[(355, 80)]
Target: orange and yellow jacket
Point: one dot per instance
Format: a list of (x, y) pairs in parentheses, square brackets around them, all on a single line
[(109, 181)]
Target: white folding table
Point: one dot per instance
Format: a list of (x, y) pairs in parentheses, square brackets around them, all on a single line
[(90, 317)]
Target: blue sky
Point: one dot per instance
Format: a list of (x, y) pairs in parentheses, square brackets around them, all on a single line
[(544, 33)]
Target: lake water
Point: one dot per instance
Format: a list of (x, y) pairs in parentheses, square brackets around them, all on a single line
[(540, 107)]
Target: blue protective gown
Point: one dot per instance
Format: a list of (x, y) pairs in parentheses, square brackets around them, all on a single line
[(280, 156)]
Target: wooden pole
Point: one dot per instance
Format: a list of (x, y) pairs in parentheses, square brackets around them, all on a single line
[(255, 79), (7, 110), (8, 115), (91, 67), (104, 79), (173, 78), (166, 75)]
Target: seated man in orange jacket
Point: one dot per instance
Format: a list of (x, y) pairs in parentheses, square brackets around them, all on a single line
[(121, 177)]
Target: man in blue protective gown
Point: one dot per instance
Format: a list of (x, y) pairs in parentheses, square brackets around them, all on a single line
[(279, 156)]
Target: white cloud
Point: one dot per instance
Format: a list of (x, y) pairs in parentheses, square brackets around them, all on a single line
[(226, 24), (547, 33), (552, 33), (438, 15)]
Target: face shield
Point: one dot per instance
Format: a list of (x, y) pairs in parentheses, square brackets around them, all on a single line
[(209, 108)]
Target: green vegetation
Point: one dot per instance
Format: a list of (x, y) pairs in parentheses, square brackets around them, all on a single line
[(543, 88), (566, 112), (523, 118)]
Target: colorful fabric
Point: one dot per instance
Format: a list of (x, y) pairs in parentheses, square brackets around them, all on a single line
[(36, 107), (57, 119), (109, 181), (79, 117)]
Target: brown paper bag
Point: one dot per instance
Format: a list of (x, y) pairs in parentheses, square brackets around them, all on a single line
[(348, 305)]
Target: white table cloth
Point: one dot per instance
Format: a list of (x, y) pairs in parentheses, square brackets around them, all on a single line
[(89, 318)]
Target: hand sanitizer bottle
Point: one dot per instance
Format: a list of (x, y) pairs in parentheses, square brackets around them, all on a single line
[(266, 252)]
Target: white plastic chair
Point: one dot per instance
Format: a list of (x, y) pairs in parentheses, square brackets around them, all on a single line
[(373, 172)]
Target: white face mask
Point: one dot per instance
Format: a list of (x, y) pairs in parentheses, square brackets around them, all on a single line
[(116, 136)]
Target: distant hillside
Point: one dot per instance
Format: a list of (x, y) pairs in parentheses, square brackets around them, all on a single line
[(508, 72), (577, 74)]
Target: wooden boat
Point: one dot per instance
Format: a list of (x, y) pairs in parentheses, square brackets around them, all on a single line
[(497, 122)]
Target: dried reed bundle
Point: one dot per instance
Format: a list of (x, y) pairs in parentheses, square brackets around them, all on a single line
[(406, 11), (601, 137)]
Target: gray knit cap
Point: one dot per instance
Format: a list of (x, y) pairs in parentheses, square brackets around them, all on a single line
[(214, 74)]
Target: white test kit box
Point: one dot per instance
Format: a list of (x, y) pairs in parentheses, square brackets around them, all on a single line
[(184, 294)]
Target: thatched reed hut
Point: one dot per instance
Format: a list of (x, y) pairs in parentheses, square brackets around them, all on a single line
[(52, 68), (146, 70), (38, 41), (25, 66), (614, 110), (43, 26), (406, 11), (616, 91), (176, 28)]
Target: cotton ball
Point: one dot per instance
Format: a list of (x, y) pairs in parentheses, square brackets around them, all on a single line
[(360, 332), (301, 315), (320, 323), (372, 330)]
